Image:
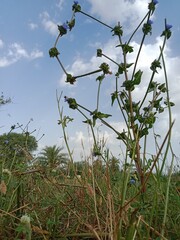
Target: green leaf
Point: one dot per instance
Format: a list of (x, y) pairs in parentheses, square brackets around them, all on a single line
[(154, 65), (152, 86), (99, 115), (126, 48), (100, 78), (137, 77), (157, 103), (129, 85), (114, 96), (122, 135), (171, 104), (162, 87), (88, 121), (143, 132)]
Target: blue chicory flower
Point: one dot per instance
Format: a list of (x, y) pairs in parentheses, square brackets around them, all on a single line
[(155, 2), (168, 26), (65, 26), (150, 21), (66, 98), (132, 181)]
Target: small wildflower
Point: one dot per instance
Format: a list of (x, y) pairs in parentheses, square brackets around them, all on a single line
[(63, 28), (155, 2), (167, 31), (150, 22), (66, 98), (168, 26), (25, 222), (152, 5), (76, 7), (3, 188), (132, 181), (6, 171), (25, 219)]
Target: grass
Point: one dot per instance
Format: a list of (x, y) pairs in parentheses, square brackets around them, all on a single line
[(96, 198), (90, 205)]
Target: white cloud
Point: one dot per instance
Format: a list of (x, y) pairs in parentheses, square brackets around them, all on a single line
[(1, 43), (36, 54), (129, 12), (82, 141), (60, 4), (16, 52), (81, 66), (33, 26), (48, 24)]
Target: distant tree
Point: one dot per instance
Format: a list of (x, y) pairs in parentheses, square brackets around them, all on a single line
[(81, 167), (53, 157), (16, 148)]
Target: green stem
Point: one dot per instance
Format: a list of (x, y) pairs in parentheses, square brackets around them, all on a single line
[(61, 65), (98, 95), (92, 130), (137, 28), (86, 14), (104, 122), (63, 128), (89, 73), (150, 171), (57, 39), (119, 104), (167, 196), (110, 59), (169, 111), (139, 51), (153, 73)]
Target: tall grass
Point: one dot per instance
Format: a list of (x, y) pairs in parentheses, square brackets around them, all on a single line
[(98, 198)]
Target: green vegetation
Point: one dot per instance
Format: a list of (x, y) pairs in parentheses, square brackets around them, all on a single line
[(54, 197)]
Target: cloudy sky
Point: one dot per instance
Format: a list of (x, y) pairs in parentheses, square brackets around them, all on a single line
[(28, 29)]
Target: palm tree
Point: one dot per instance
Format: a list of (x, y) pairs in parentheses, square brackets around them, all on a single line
[(53, 157)]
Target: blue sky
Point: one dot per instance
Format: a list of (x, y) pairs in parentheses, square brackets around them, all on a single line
[(28, 75)]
